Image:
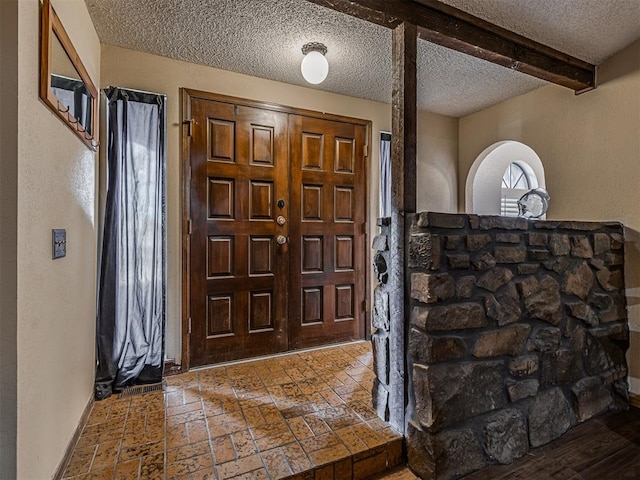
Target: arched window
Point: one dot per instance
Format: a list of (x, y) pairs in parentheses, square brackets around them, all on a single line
[(500, 175), (517, 180)]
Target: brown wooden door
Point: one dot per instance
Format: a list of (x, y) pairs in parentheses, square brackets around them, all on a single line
[(238, 272), (248, 294), (327, 289)]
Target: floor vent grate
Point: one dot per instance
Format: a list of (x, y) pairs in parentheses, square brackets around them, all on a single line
[(140, 389)]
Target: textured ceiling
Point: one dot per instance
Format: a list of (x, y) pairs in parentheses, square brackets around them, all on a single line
[(263, 38)]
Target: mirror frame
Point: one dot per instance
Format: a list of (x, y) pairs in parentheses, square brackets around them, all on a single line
[(51, 25)]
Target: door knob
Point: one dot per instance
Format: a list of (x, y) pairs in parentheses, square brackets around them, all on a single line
[(281, 239), (281, 220)]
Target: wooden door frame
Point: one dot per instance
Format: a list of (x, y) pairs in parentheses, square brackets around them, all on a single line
[(187, 95)]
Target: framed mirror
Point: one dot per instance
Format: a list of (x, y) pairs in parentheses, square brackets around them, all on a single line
[(65, 85)]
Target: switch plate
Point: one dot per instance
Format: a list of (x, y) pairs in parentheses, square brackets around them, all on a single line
[(59, 242)]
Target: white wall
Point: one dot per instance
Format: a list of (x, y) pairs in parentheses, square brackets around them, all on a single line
[(590, 147), (55, 299), (132, 69)]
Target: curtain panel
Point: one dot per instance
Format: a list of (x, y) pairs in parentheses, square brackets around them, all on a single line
[(385, 174), (131, 285)]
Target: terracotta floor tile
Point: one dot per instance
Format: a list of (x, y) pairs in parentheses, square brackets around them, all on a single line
[(80, 462), (191, 395), (197, 431), (88, 441), (177, 436), (296, 457), (152, 467), (257, 401), (102, 474), (218, 430), (230, 405), (299, 428), (244, 444), (329, 454), (368, 436), (223, 449), (324, 473), (191, 416), (299, 410), (254, 417), (260, 474), (351, 439), (278, 440), (270, 429), (129, 452), (188, 465), (370, 465), (206, 474), (363, 409), (320, 442), (266, 419), (141, 438), (388, 434), (212, 408), (221, 419), (179, 409), (175, 398), (128, 470), (238, 467), (187, 451), (271, 413), (317, 424), (276, 463)]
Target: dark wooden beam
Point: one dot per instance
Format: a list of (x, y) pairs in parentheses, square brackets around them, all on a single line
[(403, 200), (452, 28), (404, 121)]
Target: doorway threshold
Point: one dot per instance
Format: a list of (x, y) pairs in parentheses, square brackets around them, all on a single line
[(276, 355)]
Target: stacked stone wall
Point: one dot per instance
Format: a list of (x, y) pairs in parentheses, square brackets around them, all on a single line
[(381, 323), (518, 331)]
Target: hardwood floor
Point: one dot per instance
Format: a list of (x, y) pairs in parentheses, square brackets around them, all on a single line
[(605, 448)]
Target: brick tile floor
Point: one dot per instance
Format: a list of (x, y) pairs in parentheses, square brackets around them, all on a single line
[(303, 415)]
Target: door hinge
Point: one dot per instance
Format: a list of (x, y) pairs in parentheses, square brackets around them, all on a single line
[(189, 326), (364, 305), (189, 227), (364, 228), (189, 123)]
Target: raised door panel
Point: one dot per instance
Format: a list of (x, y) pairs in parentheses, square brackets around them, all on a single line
[(220, 140)]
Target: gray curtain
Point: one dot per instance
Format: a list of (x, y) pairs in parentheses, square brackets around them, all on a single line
[(131, 289), (385, 175)]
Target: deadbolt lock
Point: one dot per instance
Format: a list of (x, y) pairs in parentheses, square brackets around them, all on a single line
[(281, 220)]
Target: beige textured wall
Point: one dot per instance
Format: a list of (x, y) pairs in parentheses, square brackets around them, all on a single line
[(437, 169), (56, 299), (132, 69), (590, 147)]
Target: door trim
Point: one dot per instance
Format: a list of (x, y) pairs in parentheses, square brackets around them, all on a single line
[(187, 95)]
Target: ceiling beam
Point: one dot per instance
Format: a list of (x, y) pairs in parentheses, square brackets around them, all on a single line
[(450, 27)]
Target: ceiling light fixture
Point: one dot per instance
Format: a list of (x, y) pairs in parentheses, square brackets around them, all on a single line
[(314, 64)]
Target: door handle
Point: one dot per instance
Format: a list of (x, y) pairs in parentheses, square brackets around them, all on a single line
[(281, 220), (281, 239)]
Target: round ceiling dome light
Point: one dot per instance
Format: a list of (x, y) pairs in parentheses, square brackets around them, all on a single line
[(314, 64)]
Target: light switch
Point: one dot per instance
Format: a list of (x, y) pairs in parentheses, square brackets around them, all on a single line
[(59, 242)]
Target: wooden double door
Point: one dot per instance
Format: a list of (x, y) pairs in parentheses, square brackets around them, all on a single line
[(277, 213)]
